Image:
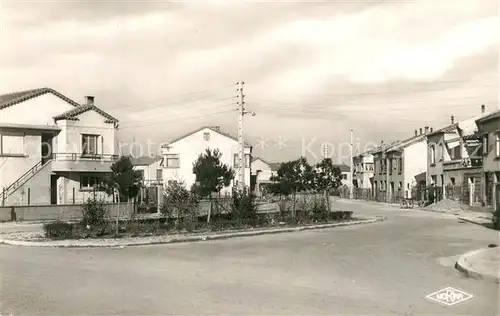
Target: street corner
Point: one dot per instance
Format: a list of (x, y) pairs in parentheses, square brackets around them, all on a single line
[(481, 264)]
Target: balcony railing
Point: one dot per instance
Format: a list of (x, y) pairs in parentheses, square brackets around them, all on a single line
[(463, 163), (83, 157)]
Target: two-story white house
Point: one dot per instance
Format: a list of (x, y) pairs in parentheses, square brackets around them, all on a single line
[(363, 170), (52, 149), (180, 155), (263, 171)]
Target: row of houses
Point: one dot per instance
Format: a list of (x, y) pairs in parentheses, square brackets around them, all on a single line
[(459, 161), (54, 150)]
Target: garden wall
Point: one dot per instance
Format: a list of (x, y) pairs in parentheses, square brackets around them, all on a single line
[(57, 212)]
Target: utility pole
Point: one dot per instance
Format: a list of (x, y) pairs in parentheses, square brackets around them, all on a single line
[(351, 168), (241, 141)]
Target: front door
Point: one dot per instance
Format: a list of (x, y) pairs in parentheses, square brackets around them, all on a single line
[(471, 190), (53, 189), (47, 146)]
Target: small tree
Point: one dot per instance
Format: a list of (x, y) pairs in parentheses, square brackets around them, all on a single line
[(327, 177), (178, 201), (293, 177), (211, 175), (243, 208), (124, 180)]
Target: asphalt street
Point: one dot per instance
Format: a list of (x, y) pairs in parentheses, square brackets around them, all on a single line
[(377, 269)]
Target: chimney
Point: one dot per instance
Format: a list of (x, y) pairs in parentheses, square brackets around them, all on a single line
[(89, 99), (416, 132), (426, 129), (483, 108), (452, 119), (421, 131)]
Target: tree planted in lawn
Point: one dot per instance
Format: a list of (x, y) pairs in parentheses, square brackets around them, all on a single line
[(293, 177), (211, 175), (327, 177), (124, 180)]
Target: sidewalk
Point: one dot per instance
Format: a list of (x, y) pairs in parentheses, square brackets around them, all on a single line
[(481, 264), (37, 240)]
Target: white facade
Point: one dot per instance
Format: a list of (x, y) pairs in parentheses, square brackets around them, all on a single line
[(52, 149), (263, 171), (364, 171), (180, 155), (152, 173), (414, 163)]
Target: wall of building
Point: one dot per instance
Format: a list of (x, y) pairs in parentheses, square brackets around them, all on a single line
[(415, 163), (491, 163), (89, 122), (35, 191), (12, 167), (189, 149), (69, 190), (265, 173), (36, 111), (434, 169)]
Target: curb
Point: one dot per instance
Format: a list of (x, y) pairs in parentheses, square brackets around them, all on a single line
[(119, 243), (472, 221), (464, 267)]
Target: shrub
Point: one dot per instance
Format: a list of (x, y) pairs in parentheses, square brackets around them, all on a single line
[(178, 202), (94, 212), (58, 229), (243, 208)]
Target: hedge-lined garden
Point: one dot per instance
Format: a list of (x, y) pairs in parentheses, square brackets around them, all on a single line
[(302, 193)]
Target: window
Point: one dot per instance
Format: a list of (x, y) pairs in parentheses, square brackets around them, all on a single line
[(452, 180), (236, 162), (89, 181), (172, 161), (400, 185), (456, 153), (12, 144), (159, 174), (390, 165), (206, 136), (89, 145), (400, 165), (441, 152), (485, 144), (433, 154), (141, 173), (344, 176), (497, 144)]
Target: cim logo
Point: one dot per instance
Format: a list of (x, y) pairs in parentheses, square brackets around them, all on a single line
[(449, 296)]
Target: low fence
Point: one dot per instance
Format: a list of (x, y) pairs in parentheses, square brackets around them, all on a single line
[(58, 212)]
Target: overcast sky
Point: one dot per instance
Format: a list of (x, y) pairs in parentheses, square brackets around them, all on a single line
[(312, 70)]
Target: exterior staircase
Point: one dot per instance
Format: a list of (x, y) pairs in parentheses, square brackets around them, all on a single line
[(7, 191)]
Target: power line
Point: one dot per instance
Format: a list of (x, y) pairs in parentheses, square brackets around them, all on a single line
[(179, 115), (177, 119)]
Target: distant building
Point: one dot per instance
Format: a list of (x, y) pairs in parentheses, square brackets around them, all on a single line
[(262, 171), (180, 154)]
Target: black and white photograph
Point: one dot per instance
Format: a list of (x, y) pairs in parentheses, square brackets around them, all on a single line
[(249, 157)]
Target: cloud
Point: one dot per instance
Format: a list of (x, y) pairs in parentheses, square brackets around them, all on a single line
[(306, 65)]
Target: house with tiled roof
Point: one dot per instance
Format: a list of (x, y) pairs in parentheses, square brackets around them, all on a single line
[(364, 168), (400, 166), (455, 160), (489, 131), (180, 154), (53, 150), (262, 171)]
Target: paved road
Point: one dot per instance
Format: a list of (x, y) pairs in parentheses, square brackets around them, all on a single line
[(378, 269)]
